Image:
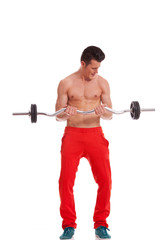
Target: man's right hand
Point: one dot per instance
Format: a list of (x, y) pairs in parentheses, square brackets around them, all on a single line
[(71, 111)]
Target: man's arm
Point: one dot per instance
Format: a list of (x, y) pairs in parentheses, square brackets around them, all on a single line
[(106, 101), (62, 100)]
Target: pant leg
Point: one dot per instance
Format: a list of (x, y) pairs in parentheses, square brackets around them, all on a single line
[(70, 156), (97, 153)]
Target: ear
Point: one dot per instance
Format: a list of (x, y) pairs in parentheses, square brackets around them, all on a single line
[(83, 64)]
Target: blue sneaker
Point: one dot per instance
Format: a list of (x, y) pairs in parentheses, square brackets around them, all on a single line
[(68, 233), (101, 233)]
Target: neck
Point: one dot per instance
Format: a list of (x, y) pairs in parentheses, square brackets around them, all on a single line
[(83, 76)]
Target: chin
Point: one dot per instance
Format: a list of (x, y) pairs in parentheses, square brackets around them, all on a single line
[(92, 76)]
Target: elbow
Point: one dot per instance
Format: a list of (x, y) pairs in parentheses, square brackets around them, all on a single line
[(57, 119), (107, 117), (111, 116)]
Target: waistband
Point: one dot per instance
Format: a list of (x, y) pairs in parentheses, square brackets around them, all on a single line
[(83, 130)]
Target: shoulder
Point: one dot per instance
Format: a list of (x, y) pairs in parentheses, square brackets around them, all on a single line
[(103, 83), (65, 83)]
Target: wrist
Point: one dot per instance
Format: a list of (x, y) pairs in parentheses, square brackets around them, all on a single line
[(106, 116), (63, 116)]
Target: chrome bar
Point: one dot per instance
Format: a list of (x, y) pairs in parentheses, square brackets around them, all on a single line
[(108, 109), (117, 112), (19, 114), (54, 114), (85, 112), (147, 109)]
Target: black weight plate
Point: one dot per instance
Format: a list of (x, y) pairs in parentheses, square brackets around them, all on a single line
[(135, 110), (33, 113)]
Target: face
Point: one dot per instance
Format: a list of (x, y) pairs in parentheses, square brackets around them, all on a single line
[(91, 70)]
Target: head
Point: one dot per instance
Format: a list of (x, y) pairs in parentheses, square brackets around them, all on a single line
[(90, 61)]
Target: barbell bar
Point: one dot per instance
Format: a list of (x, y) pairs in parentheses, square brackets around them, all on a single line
[(134, 110)]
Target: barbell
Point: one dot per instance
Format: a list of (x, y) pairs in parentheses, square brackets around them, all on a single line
[(134, 111)]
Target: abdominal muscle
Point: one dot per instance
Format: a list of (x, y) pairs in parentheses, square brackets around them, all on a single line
[(84, 120)]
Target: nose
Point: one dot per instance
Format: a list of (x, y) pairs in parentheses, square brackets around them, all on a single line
[(95, 70)]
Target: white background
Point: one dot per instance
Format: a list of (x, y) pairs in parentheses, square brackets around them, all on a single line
[(41, 43)]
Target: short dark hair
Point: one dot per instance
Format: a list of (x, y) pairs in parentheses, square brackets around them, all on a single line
[(92, 53)]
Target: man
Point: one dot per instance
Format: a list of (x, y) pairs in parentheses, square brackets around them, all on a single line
[(83, 137)]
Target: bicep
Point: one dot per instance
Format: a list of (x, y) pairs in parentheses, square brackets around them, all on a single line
[(105, 97), (62, 97)]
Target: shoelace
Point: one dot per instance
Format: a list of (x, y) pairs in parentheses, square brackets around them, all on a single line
[(104, 229), (66, 231)]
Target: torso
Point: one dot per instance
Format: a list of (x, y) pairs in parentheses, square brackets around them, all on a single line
[(85, 95)]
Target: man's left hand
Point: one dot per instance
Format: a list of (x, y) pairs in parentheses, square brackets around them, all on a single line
[(100, 109)]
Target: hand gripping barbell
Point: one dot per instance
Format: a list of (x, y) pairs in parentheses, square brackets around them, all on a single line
[(134, 110)]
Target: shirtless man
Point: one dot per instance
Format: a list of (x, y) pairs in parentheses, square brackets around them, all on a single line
[(83, 137)]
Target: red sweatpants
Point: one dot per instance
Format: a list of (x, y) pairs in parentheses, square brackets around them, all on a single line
[(91, 144)]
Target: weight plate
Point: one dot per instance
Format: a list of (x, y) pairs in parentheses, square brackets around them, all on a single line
[(135, 110), (33, 113)]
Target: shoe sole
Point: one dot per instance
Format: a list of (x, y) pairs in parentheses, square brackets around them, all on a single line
[(98, 238), (68, 238)]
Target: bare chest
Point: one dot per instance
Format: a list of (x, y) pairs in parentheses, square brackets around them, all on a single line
[(79, 92)]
